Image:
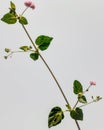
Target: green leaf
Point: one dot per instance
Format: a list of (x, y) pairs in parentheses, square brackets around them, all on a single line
[(34, 56), (12, 5), (43, 42), (77, 114), (12, 8), (9, 18), (23, 20), (68, 107), (77, 87), (55, 116), (25, 48), (7, 50), (82, 98)]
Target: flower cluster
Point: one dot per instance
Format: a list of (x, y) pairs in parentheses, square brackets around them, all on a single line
[(29, 4)]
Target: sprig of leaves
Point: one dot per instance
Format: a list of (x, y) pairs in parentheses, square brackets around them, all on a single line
[(78, 90), (12, 17)]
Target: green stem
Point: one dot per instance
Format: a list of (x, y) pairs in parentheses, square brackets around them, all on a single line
[(87, 89), (75, 104), (52, 74), (24, 11), (88, 103)]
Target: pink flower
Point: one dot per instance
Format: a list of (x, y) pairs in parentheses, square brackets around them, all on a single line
[(29, 4), (32, 6), (92, 83)]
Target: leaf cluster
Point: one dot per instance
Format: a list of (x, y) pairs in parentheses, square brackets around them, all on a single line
[(42, 43), (12, 17), (76, 113)]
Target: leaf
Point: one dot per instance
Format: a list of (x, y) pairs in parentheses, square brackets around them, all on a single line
[(7, 50), (23, 20), (55, 116), (12, 5), (68, 107), (82, 99), (43, 42), (12, 8), (25, 48), (9, 18), (77, 114), (77, 87), (34, 56)]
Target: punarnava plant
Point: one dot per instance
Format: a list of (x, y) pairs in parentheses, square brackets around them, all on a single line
[(42, 43)]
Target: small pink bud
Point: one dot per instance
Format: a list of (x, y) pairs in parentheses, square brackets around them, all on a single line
[(92, 83)]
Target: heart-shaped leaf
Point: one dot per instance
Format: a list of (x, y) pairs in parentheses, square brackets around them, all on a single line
[(77, 114), (55, 116), (34, 56), (43, 42)]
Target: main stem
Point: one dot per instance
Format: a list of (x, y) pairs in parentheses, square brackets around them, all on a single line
[(52, 74)]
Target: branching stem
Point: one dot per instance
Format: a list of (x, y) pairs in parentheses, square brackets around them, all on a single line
[(52, 74)]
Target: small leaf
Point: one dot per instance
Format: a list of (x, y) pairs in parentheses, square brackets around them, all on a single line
[(5, 57), (43, 42), (9, 18), (12, 5), (34, 56), (25, 48), (12, 8), (77, 114), (82, 99), (55, 116), (69, 107), (23, 20), (77, 87), (7, 50)]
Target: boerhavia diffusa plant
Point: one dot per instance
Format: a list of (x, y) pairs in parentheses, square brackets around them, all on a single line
[(42, 43)]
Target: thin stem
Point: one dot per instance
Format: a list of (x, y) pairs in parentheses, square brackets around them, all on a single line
[(87, 89), (77, 125), (12, 52), (75, 104), (47, 66), (86, 104), (52, 74), (24, 11), (29, 37), (55, 80)]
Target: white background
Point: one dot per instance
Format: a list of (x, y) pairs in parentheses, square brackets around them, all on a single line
[(27, 90)]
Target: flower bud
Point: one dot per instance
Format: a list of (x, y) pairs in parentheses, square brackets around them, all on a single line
[(29, 4), (92, 83)]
